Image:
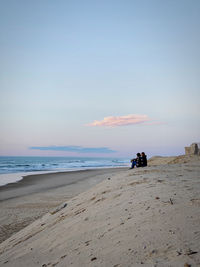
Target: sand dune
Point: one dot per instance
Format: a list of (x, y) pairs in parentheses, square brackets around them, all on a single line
[(158, 160)]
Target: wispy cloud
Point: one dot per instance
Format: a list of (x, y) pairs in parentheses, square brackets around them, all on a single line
[(121, 120), (78, 149)]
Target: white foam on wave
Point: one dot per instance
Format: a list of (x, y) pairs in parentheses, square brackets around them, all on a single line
[(9, 178)]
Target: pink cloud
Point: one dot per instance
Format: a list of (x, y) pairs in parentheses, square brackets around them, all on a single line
[(121, 120)]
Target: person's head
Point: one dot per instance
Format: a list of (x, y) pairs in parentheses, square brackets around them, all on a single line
[(138, 155), (143, 154)]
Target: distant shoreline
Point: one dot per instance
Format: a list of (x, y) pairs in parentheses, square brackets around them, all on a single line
[(24, 175)]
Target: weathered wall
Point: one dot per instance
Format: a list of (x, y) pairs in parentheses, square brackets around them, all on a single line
[(193, 149)]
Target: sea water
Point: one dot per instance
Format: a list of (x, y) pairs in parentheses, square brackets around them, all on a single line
[(13, 169)]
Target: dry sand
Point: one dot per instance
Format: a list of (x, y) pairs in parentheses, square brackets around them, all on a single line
[(141, 217), (23, 202)]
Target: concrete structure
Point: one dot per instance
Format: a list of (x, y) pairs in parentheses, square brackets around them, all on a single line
[(193, 149)]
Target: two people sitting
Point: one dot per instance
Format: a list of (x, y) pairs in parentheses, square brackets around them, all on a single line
[(139, 161)]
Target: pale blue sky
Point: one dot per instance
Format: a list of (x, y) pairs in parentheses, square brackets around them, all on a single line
[(64, 64)]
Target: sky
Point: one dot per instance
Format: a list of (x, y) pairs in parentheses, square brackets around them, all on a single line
[(97, 78)]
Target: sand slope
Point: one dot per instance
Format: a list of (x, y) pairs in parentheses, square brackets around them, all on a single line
[(141, 217), (23, 202)]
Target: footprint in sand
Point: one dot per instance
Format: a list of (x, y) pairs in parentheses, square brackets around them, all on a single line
[(106, 191), (100, 199), (79, 211)]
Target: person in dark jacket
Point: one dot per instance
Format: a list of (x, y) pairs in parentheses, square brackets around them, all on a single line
[(143, 160), (136, 162)]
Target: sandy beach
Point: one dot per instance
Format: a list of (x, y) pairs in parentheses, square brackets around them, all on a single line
[(141, 217), (23, 202), (100, 133)]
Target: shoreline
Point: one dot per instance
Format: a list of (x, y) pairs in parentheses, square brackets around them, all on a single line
[(18, 176), (36, 179)]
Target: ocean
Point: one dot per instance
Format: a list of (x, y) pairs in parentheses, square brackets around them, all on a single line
[(13, 169)]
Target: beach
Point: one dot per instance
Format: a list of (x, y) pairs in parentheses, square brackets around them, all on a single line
[(23, 202), (115, 217)]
